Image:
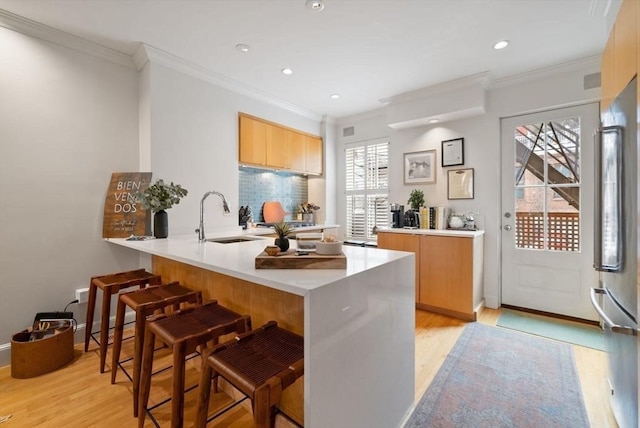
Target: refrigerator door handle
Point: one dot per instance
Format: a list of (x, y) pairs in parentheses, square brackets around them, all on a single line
[(614, 327), (599, 263)]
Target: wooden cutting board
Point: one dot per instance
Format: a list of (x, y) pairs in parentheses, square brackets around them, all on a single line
[(289, 260)]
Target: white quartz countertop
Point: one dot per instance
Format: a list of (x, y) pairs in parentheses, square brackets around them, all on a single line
[(238, 259), (446, 232)]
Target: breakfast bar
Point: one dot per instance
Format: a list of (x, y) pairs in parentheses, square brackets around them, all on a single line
[(357, 322)]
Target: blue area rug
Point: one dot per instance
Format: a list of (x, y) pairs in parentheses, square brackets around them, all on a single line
[(565, 331), (500, 378)]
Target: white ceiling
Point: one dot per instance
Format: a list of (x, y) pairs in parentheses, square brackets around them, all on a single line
[(363, 50)]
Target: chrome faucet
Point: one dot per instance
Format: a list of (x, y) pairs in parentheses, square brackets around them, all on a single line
[(225, 207)]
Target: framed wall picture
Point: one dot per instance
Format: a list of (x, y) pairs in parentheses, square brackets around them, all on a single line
[(460, 183), (453, 152), (420, 167)]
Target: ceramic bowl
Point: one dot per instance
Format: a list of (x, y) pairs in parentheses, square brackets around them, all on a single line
[(328, 248), (272, 250)]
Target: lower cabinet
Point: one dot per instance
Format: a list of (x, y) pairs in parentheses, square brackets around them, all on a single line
[(403, 242), (448, 270)]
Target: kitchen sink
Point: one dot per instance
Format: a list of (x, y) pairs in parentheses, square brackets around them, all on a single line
[(231, 239)]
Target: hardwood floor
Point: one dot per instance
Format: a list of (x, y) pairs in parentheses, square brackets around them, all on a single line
[(79, 396)]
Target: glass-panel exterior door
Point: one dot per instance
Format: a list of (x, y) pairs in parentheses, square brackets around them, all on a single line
[(547, 211)]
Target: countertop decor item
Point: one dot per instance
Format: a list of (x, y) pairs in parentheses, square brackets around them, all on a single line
[(159, 197), (307, 210), (294, 260), (416, 199), (329, 248), (282, 229), (272, 250)]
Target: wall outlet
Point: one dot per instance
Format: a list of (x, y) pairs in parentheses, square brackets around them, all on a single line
[(82, 295)]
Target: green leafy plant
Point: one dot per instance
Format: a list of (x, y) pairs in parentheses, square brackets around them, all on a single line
[(416, 199), (161, 196), (282, 229)]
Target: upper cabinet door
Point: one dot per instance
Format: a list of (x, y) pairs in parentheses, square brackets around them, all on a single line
[(314, 155), (625, 41), (277, 147), (297, 150), (253, 141)]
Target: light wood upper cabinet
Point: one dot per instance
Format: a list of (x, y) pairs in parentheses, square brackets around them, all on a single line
[(297, 151), (620, 56), (625, 42), (607, 80), (277, 147), (266, 144), (314, 155), (253, 141)]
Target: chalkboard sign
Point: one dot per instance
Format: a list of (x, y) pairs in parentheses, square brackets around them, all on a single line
[(124, 217)]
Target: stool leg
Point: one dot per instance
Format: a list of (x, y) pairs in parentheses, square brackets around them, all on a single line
[(104, 326), (177, 396), (137, 357), (204, 392), (91, 306), (117, 340), (145, 377), (262, 409)]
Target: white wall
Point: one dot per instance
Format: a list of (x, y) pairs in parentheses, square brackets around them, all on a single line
[(67, 121), (560, 86), (194, 134)]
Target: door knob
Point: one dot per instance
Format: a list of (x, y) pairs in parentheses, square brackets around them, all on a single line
[(507, 227)]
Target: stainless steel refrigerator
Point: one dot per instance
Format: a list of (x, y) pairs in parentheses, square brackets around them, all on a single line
[(616, 250)]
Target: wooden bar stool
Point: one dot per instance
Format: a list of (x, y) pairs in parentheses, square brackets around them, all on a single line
[(144, 303), (183, 333), (260, 363), (111, 284)]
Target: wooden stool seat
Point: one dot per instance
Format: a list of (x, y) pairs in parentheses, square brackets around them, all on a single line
[(184, 333), (144, 303), (111, 284), (260, 363)]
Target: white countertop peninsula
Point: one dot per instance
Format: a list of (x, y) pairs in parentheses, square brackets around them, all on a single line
[(358, 322)]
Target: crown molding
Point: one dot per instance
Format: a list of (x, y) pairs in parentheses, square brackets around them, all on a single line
[(376, 113), (147, 53), (541, 73), (31, 28)]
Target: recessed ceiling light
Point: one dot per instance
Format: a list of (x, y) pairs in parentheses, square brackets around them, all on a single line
[(501, 44), (335, 96), (287, 71), (434, 120), (242, 47), (315, 5)]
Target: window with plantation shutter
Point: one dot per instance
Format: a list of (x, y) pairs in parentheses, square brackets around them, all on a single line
[(367, 188)]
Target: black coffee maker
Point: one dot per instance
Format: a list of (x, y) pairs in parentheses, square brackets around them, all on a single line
[(397, 216), (412, 219)]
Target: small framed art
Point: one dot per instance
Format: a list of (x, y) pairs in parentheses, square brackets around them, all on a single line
[(460, 183), (453, 152), (420, 167)]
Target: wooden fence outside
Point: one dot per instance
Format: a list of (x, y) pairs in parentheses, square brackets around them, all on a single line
[(563, 231)]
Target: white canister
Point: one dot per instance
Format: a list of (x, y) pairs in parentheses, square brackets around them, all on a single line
[(456, 222)]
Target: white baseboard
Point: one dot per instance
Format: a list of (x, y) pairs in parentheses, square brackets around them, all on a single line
[(78, 337)]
